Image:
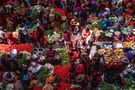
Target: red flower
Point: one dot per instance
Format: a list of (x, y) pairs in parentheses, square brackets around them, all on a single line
[(62, 72), (20, 47), (63, 86)]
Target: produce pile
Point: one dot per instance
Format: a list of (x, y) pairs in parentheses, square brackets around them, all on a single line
[(113, 57)]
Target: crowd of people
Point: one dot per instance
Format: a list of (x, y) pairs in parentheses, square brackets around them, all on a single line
[(78, 26)]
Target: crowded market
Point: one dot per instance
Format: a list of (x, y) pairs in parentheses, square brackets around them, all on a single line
[(67, 44)]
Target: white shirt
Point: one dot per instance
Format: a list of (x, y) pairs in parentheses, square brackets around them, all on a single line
[(92, 52), (2, 34)]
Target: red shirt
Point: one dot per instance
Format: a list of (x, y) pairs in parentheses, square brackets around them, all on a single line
[(50, 53), (12, 41)]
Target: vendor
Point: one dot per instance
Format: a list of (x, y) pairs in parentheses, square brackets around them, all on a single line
[(50, 54), (85, 33)]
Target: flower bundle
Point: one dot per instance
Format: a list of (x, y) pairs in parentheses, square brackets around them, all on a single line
[(112, 57), (19, 47), (62, 72)]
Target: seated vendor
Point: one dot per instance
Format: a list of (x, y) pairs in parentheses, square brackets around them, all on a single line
[(50, 54)]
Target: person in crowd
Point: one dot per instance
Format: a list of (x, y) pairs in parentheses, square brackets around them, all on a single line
[(50, 54)]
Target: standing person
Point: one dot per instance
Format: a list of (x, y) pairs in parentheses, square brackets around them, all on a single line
[(40, 37)]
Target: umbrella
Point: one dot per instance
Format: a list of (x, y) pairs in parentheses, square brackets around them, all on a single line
[(61, 11)]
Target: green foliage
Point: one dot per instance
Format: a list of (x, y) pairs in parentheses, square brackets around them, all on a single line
[(48, 32), (43, 73), (106, 86)]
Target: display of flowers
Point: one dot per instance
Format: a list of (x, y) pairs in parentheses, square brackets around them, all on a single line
[(20, 47), (101, 51), (118, 51), (112, 56), (63, 54)]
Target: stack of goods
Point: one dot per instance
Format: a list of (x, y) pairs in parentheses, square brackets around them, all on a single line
[(64, 55), (113, 57)]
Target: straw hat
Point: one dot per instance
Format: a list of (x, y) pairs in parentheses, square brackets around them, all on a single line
[(117, 33), (63, 18)]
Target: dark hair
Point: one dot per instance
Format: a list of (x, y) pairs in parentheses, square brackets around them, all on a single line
[(84, 43), (98, 47)]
